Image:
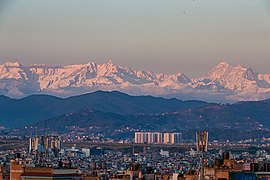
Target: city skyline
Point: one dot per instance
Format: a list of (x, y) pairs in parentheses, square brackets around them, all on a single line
[(187, 36)]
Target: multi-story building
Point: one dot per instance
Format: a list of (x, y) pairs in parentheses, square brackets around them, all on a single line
[(21, 169), (167, 138), (157, 138), (176, 138)]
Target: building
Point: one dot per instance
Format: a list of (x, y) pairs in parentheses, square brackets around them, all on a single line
[(141, 137), (176, 138), (167, 138), (24, 170), (134, 172), (239, 175), (4, 173), (42, 173), (157, 138), (164, 153), (86, 151)]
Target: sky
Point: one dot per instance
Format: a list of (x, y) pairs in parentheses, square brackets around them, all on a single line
[(189, 36)]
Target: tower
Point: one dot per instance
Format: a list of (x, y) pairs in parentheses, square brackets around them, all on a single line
[(202, 145)]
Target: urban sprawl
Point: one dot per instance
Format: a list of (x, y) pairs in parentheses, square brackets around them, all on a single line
[(151, 156)]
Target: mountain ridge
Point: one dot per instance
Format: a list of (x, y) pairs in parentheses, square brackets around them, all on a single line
[(223, 83), (20, 112), (220, 120), (106, 112)]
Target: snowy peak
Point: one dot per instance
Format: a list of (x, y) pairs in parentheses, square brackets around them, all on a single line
[(12, 70), (233, 77), (107, 69), (223, 64), (110, 63), (11, 64), (250, 74), (223, 81), (223, 69)]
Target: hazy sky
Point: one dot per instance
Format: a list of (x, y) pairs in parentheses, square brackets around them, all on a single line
[(189, 36)]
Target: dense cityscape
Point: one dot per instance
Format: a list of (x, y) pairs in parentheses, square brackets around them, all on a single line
[(67, 157)]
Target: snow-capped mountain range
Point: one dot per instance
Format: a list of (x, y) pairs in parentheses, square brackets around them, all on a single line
[(223, 83)]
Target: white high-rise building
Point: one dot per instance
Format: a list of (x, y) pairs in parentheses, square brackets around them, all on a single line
[(158, 138), (176, 138), (167, 138), (31, 144), (141, 137)]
